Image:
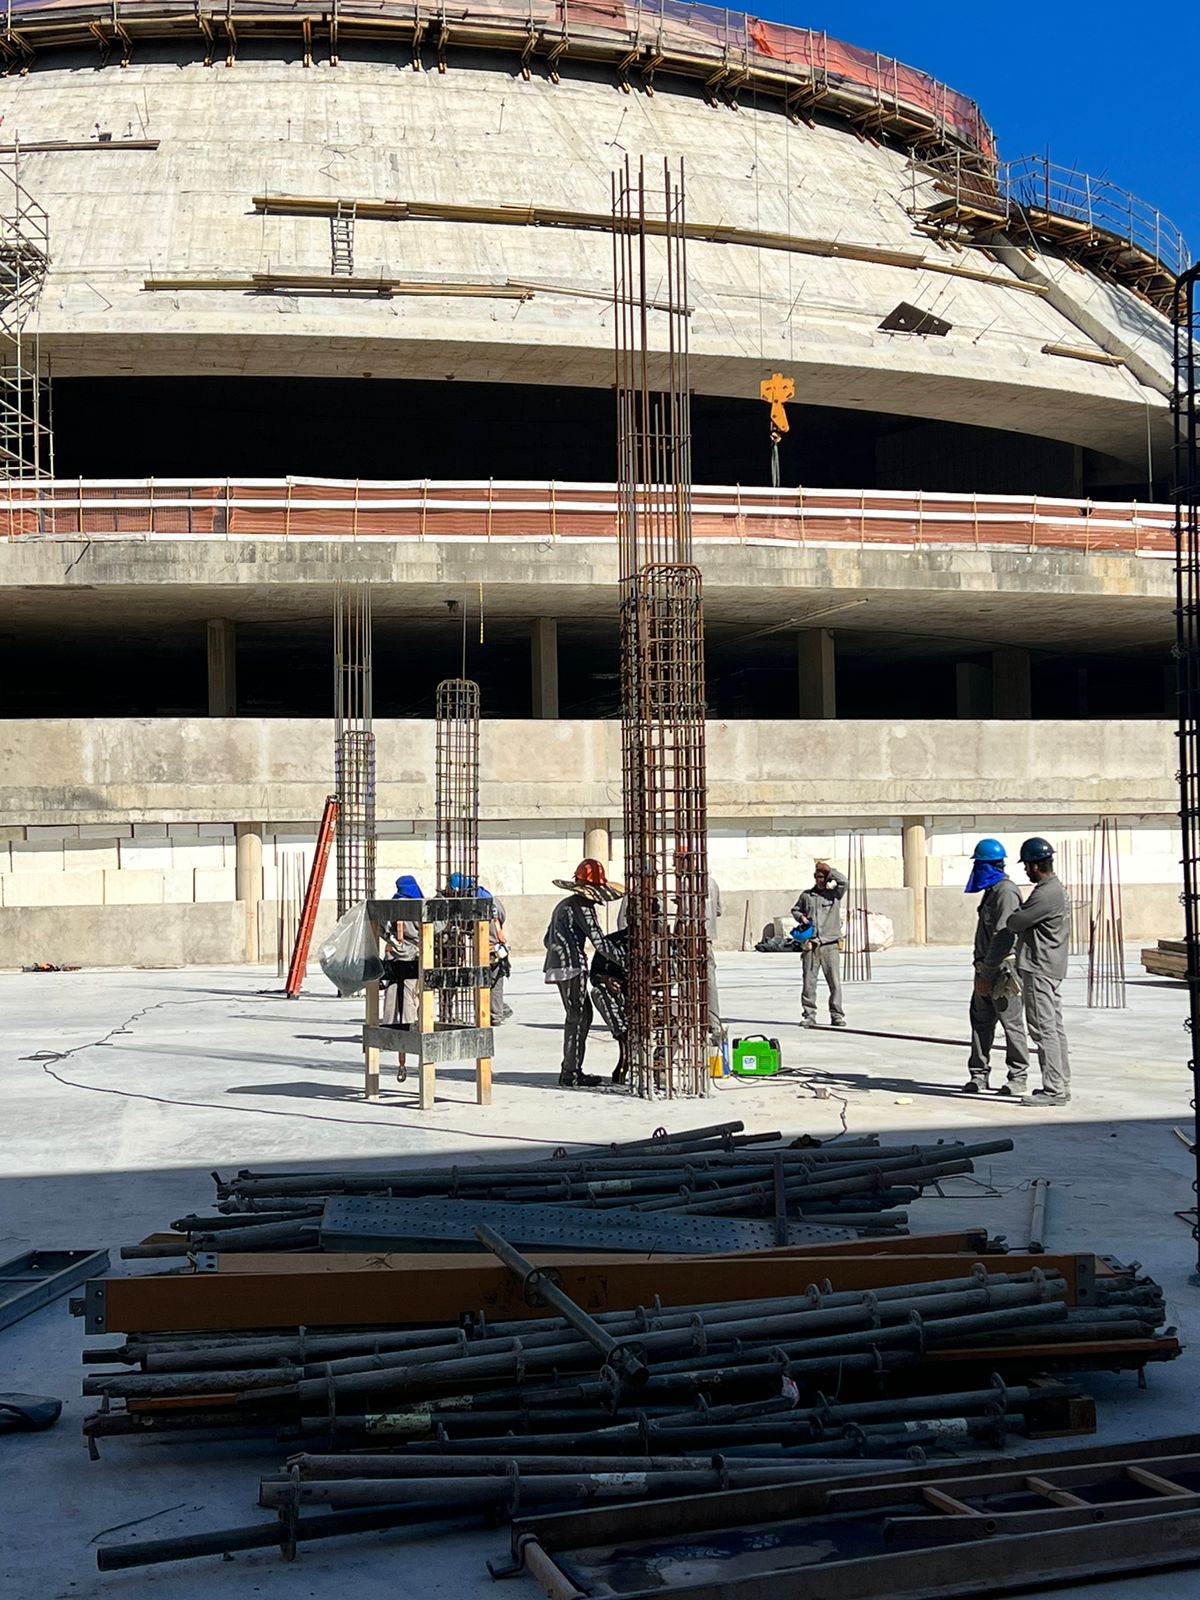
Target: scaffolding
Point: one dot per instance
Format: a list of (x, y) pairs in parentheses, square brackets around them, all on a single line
[(456, 806), (353, 745), (662, 641), (26, 441), (1187, 647), (959, 193)]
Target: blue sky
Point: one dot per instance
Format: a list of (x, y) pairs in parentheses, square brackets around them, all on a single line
[(1110, 88)]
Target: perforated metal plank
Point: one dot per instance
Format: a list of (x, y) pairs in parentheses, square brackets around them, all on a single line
[(449, 1044), (367, 1223)]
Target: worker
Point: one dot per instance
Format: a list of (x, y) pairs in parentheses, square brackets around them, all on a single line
[(499, 966), (820, 908), (573, 926), (610, 994), (1040, 930), (999, 898), (401, 969), (712, 914)]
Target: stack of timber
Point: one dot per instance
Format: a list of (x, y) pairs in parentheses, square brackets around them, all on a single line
[(702, 1191), (1168, 959)]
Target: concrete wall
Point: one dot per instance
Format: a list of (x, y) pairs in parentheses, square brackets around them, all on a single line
[(146, 871), (366, 129)]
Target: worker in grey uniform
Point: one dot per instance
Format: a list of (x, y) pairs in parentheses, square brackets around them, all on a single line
[(1040, 929), (820, 908), (998, 900)]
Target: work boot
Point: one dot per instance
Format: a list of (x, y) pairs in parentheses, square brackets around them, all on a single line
[(402, 1071), (837, 1022), (808, 1022), (1012, 1090), (974, 1086), (1044, 1097), (578, 1080)]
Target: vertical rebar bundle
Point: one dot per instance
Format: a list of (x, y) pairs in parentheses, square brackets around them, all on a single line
[(1106, 938), (26, 445), (1186, 408), (354, 745), (856, 967), (456, 805), (292, 870), (662, 641)]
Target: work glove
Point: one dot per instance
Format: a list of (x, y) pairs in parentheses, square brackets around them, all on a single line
[(1006, 988)]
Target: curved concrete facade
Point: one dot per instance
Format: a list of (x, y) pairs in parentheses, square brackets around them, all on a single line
[(1036, 346)]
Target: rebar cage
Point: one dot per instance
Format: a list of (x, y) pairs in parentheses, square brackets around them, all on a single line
[(456, 808), (1186, 408), (354, 746), (662, 641)]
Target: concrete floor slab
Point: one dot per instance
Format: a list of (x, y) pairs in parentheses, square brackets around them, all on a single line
[(123, 1089)]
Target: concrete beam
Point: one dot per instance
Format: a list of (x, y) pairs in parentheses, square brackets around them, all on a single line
[(818, 673), (543, 650)]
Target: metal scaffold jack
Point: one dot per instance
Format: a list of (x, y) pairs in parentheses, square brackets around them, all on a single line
[(354, 746), (662, 640), (1187, 647)]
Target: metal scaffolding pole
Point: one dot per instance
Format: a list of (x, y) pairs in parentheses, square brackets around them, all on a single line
[(1106, 933), (662, 640), (354, 745), (456, 804), (1186, 407)]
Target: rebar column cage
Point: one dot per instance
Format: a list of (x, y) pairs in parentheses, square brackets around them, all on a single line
[(353, 745), (26, 441), (1186, 409), (857, 966), (456, 810), (662, 641), (1106, 926)]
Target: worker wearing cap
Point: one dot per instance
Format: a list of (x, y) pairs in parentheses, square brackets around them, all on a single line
[(820, 908), (998, 899), (573, 926), (1040, 930)]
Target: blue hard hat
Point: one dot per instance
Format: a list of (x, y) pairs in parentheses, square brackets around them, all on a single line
[(989, 850), (458, 882), (802, 935)]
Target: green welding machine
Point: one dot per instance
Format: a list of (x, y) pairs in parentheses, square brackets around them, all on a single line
[(755, 1057)]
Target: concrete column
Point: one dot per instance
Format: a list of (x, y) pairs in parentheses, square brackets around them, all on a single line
[(222, 667), (916, 872), (543, 651), (597, 840), (1012, 699), (973, 691), (249, 880), (818, 683)]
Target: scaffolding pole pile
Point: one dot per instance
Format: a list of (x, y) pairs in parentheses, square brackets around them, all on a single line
[(1106, 937), (857, 967), (354, 746), (26, 446), (1186, 409), (662, 640), (456, 786)]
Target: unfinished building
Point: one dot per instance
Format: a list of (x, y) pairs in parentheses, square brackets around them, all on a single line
[(328, 299)]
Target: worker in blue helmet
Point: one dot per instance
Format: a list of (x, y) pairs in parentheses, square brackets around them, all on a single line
[(998, 899), (1040, 930)]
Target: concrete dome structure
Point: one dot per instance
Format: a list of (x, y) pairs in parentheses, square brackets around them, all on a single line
[(328, 297)]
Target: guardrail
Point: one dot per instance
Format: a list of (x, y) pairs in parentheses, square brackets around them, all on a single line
[(725, 48), (550, 513), (1036, 184)]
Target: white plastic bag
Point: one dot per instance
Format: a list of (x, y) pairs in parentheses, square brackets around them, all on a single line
[(350, 956), (881, 932)]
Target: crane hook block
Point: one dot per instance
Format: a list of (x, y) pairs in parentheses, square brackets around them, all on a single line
[(777, 391)]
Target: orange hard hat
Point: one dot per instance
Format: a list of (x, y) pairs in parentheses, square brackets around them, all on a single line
[(591, 872)]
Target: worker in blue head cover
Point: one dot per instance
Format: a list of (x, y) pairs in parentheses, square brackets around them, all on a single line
[(401, 967), (998, 900)]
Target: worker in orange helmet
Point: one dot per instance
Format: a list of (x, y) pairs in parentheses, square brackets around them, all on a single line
[(573, 926)]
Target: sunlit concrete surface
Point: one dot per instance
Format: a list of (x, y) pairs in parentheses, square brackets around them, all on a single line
[(166, 1075)]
